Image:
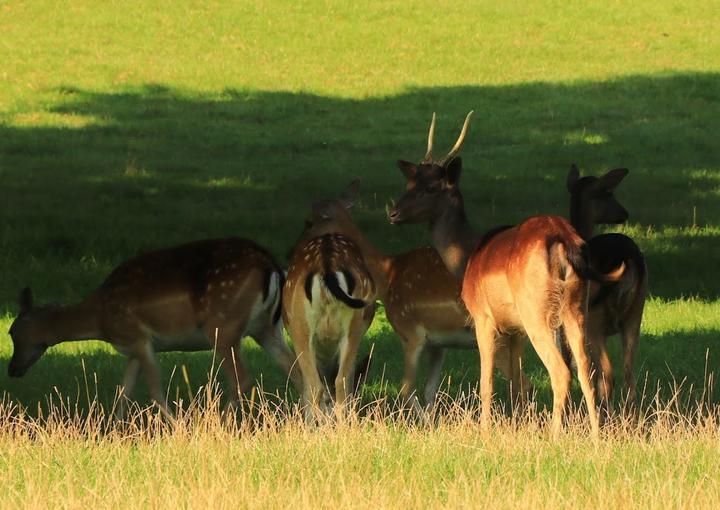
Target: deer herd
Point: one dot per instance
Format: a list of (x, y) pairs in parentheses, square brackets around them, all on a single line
[(547, 279)]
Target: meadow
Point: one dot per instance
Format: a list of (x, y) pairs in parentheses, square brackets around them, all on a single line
[(145, 124)]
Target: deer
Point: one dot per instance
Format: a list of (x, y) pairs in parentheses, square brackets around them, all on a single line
[(614, 307), (328, 305), (201, 295), (421, 298), (518, 282)]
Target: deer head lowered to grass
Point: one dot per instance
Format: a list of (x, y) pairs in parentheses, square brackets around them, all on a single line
[(197, 296), (614, 307), (530, 279), (421, 298)]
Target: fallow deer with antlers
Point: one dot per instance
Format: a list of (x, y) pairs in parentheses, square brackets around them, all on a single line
[(329, 303), (614, 307), (197, 296), (530, 279), (422, 299)]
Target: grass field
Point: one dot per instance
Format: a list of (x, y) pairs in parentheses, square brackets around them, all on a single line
[(144, 124)]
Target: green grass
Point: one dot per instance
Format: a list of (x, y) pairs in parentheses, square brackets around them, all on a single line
[(142, 125)]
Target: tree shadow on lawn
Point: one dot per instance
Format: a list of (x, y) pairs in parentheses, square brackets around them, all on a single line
[(104, 174), (140, 168)]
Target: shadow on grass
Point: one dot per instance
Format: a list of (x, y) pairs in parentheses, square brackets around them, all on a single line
[(81, 378), (97, 176), (664, 363)]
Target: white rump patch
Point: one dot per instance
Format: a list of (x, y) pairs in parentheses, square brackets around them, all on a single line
[(342, 282), (273, 286)]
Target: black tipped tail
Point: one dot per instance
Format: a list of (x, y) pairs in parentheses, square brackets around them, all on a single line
[(578, 257), (333, 285)]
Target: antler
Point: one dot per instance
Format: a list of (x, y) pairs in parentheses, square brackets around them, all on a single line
[(456, 148), (431, 135)]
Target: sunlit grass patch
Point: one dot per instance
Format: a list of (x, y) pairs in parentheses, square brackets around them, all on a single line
[(53, 119), (585, 137)]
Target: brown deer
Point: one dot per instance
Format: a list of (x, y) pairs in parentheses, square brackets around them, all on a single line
[(614, 307), (421, 298), (329, 303), (197, 296), (530, 279)]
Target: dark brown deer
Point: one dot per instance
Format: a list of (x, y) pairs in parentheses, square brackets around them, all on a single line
[(197, 296), (422, 299), (530, 279), (329, 303), (614, 307)]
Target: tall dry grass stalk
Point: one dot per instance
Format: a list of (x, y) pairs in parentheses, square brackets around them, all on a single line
[(664, 455)]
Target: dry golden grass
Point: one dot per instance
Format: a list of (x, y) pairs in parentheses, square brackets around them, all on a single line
[(665, 456)]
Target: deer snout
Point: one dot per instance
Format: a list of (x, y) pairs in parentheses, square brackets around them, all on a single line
[(393, 215), (14, 370), (622, 216)]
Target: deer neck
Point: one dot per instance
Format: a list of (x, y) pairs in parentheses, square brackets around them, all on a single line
[(581, 222), (79, 321), (453, 237)]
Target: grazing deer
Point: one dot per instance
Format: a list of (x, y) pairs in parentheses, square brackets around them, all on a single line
[(530, 279), (329, 303), (614, 307), (197, 296), (421, 298)]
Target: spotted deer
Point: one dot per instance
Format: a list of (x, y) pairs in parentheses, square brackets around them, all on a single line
[(197, 296), (329, 303), (614, 307), (421, 298), (517, 282)]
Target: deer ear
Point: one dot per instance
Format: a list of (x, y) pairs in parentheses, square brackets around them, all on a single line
[(350, 194), (572, 177), (26, 300), (319, 210), (610, 180), (408, 169), (453, 170)]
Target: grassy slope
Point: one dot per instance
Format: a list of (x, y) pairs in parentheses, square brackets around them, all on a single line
[(125, 128)]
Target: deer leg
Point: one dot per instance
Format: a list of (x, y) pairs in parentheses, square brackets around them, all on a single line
[(605, 377), (151, 370), (313, 389), (573, 319), (226, 339), (274, 343), (128, 385), (485, 336), (510, 350), (630, 333), (413, 347), (525, 387), (346, 370), (550, 355), (436, 356), (235, 371)]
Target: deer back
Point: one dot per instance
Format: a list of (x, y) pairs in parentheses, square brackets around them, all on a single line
[(191, 285), (330, 268)]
